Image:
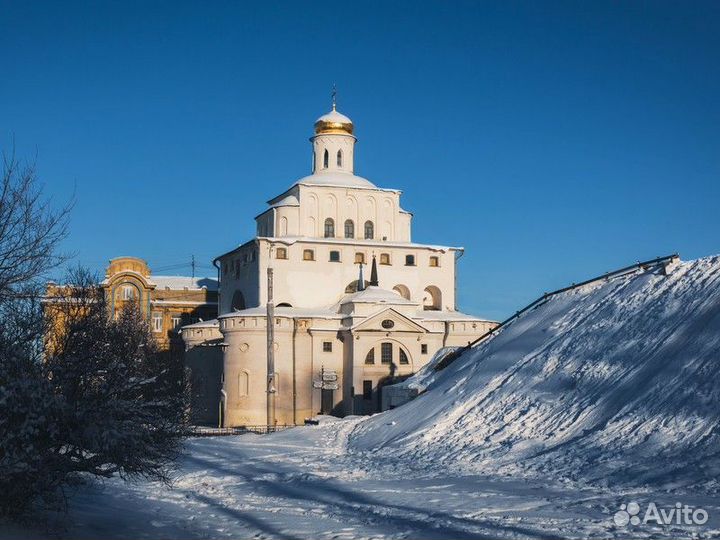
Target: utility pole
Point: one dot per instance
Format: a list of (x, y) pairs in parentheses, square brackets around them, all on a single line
[(270, 353)]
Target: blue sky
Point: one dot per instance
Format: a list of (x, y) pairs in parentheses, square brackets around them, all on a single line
[(554, 140)]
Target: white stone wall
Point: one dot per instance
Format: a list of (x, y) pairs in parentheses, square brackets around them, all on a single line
[(240, 272), (321, 283), (380, 207), (333, 143)]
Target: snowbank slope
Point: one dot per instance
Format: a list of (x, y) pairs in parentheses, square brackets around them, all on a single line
[(617, 382)]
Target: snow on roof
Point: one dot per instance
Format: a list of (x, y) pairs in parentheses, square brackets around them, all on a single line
[(261, 311), (203, 324), (289, 240), (334, 117), (288, 200), (431, 315), (376, 295), (182, 282), (337, 178)]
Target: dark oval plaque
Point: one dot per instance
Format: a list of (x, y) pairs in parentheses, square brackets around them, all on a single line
[(387, 323)]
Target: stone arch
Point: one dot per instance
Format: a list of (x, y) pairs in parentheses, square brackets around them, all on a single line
[(121, 285), (311, 226), (432, 301), (397, 346), (331, 206), (371, 209), (238, 300), (313, 211), (402, 290), (388, 230), (352, 209)]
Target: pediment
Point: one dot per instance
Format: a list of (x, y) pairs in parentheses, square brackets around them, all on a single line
[(378, 322)]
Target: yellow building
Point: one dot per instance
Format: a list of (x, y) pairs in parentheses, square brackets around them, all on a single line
[(169, 302)]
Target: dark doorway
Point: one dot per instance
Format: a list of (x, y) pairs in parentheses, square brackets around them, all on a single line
[(326, 401)]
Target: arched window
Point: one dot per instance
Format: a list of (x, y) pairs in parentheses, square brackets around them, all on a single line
[(369, 230), (433, 298), (403, 357), (349, 228), (129, 292), (284, 304), (329, 228), (339, 158), (326, 160), (370, 358), (238, 300)]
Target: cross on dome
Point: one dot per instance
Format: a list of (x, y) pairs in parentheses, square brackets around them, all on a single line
[(334, 122)]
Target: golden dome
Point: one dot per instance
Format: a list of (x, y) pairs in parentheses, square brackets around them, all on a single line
[(333, 122)]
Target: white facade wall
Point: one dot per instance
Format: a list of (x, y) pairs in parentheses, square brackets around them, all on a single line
[(321, 282), (295, 222)]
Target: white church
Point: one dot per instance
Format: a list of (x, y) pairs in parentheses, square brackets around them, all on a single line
[(358, 303)]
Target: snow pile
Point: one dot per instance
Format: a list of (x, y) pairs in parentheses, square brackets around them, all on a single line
[(613, 383)]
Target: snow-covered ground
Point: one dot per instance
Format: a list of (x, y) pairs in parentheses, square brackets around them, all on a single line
[(302, 483), (605, 395)]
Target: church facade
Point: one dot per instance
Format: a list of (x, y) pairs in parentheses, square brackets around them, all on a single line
[(358, 303)]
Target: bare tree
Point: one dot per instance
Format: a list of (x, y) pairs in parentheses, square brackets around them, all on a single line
[(102, 401), (124, 409), (30, 229), (81, 391)]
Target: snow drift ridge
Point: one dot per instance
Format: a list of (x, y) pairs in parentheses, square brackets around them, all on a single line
[(615, 382)]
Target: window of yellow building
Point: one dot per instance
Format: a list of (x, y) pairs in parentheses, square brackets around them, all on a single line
[(157, 322)]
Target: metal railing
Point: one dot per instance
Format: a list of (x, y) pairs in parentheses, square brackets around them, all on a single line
[(205, 431), (644, 265)]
